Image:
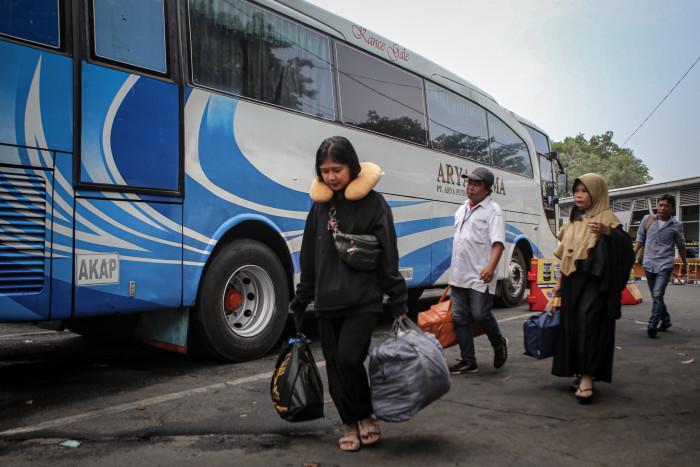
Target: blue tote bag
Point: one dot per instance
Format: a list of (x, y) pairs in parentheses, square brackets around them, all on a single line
[(540, 333)]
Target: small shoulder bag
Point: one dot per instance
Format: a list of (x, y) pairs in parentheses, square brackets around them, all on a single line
[(360, 252)]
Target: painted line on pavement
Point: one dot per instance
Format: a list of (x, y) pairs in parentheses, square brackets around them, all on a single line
[(159, 399), (27, 334), (135, 405), (515, 317)]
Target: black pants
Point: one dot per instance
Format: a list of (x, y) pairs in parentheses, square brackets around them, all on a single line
[(345, 342)]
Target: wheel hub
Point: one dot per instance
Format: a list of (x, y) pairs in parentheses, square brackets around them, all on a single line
[(516, 277), (233, 300), (249, 301)]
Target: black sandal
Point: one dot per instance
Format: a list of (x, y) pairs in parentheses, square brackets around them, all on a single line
[(584, 399), (575, 383)]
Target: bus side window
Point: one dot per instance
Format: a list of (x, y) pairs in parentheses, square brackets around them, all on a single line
[(31, 20), (508, 150), (457, 125), (245, 50), (380, 97), (131, 32)]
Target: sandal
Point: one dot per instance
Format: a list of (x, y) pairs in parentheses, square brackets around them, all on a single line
[(368, 428), (584, 399), (574, 384), (350, 440)]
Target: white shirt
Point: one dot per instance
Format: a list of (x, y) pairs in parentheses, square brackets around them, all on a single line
[(476, 231)]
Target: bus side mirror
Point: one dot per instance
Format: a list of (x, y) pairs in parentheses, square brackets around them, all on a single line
[(562, 183)]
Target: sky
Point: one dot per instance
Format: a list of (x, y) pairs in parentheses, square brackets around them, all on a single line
[(568, 66)]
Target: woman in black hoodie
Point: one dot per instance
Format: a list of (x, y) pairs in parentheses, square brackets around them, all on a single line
[(348, 302)]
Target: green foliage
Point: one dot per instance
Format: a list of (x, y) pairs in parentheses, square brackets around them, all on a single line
[(618, 166)]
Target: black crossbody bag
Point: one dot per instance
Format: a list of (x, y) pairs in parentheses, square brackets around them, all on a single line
[(359, 251)]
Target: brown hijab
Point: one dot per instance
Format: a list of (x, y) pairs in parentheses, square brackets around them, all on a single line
[(575, 239)]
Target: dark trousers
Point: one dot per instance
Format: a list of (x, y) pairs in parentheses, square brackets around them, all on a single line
[(471, 305), (345, 342), (657, 282)]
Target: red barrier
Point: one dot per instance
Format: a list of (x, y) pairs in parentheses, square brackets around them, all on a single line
[(543, 275)]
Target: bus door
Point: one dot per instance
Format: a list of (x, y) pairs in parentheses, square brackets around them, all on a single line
[(36, 109), (128, 224)]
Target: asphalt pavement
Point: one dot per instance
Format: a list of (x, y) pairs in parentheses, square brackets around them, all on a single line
[(196, 413)]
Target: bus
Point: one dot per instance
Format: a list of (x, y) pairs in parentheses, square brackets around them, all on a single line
[(156, 155)]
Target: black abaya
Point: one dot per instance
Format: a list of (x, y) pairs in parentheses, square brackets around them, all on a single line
[(591, 300)]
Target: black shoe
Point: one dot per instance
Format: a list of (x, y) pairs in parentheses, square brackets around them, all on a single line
[(651, 331), (463, 367), (663, 326), (500, 354)]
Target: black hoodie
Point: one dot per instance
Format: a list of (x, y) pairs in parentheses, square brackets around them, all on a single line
[(335, 288)]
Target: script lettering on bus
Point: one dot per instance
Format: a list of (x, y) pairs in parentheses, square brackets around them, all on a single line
[(394, 52), (452, 175)]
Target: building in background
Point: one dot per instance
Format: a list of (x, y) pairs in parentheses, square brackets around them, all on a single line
[(631, 204)]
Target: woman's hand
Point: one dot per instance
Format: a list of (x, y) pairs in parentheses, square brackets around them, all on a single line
[(599, 228), (556, 291)]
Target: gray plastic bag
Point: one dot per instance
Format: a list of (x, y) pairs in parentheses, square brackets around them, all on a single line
[(406, 373)]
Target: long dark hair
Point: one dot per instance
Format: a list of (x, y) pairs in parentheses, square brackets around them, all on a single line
[(340, 150)]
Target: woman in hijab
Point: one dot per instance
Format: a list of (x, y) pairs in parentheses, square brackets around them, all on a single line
[(596, 256)]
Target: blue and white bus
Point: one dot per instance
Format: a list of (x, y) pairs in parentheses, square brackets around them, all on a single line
[(156, 155)]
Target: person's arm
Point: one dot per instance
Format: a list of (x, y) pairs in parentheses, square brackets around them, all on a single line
[(556, 291), (637, 246), (679, 242), (684, 266), (392, 282), (487, 273), (307, 263), (497, 239)]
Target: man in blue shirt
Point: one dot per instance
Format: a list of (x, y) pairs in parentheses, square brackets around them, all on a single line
[(660, 239)]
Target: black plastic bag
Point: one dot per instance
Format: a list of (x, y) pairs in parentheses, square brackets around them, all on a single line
[(296, 387)]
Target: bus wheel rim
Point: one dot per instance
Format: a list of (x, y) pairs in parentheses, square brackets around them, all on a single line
[(516, 277), (257, 301)]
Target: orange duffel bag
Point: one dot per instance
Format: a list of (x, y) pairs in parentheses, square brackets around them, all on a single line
[(438, 321)]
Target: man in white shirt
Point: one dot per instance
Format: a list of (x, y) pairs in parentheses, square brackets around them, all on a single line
[(479, 241)]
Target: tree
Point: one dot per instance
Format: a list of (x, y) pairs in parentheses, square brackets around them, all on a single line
[(402, 127), (618, 166)]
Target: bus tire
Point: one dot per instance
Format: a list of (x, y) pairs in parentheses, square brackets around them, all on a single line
[(242, 304), (514, 285)]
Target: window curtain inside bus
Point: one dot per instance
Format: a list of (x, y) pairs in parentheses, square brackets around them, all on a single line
[(508, 151), (456, 125), (244, 50)]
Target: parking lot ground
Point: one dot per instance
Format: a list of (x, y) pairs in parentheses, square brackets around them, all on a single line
[(516, 415)]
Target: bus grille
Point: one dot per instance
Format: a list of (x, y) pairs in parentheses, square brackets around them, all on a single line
[(22, 233)]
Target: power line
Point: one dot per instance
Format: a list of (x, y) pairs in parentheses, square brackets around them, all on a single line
[(662, 101)]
